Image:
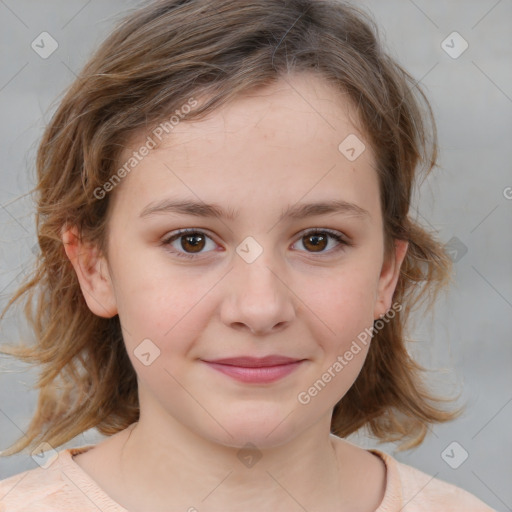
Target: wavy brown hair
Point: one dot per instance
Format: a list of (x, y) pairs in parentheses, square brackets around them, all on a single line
[(156, 59)]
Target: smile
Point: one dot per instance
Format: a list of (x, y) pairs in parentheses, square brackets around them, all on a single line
[(254, 370)]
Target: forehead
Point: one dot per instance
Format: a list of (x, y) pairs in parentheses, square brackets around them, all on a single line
[(282, 141), (272, 113)]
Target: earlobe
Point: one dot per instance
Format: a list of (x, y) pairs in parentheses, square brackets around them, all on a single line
[(389, 278), (92, 272)]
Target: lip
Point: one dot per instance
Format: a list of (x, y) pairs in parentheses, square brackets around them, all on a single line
[(256, 369)]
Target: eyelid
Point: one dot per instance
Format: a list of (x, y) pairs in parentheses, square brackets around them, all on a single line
[(185, 231), (177, 234), (342, 240), (333, 232)]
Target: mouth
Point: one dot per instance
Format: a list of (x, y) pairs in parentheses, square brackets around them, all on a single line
[(256, 370)]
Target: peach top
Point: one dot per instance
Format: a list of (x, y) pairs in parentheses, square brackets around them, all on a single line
[(64, 487)]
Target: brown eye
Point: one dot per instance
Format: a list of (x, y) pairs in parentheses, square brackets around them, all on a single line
[(193, 243), (189, 243), (315, 242)]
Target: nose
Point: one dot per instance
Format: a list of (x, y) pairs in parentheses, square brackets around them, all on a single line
[(257, 298)]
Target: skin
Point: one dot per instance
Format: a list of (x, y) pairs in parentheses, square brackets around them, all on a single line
[(257, 155)]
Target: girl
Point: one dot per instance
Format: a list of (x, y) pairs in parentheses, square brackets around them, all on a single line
[(227, 266)]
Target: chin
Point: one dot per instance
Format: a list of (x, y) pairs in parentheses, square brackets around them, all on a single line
[(263, 428)]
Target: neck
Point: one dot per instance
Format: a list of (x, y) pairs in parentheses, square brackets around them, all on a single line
[(189, 472)]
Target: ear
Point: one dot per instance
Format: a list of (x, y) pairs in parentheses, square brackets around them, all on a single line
[(388, 278), (92, 271)]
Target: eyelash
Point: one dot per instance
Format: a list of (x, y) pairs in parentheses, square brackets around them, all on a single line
[(342, 241)]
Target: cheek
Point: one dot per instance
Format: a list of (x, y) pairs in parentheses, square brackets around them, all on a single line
[(343, 304), (159, 302), (341, 328)]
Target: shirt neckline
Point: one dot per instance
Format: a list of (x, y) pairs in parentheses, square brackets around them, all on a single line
[(84, 482), (391, 501)]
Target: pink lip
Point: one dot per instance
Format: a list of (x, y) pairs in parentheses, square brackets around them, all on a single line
[(256, 370)]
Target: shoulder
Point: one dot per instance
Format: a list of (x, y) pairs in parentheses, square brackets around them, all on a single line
[(52, 488), (425, 493), (19, 493)]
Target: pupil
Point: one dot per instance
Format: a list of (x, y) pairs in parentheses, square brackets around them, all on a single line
[(317, 241), (196, 242), (195, 245)]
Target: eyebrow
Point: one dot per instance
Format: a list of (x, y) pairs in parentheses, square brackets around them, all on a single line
[(297, 211)]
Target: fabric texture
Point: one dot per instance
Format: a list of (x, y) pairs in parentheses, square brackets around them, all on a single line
[(64, 487)]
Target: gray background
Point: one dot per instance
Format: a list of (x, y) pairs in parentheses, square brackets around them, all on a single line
[(468, 200)]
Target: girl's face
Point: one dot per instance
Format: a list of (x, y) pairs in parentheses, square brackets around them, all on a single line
[(285, 258)]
